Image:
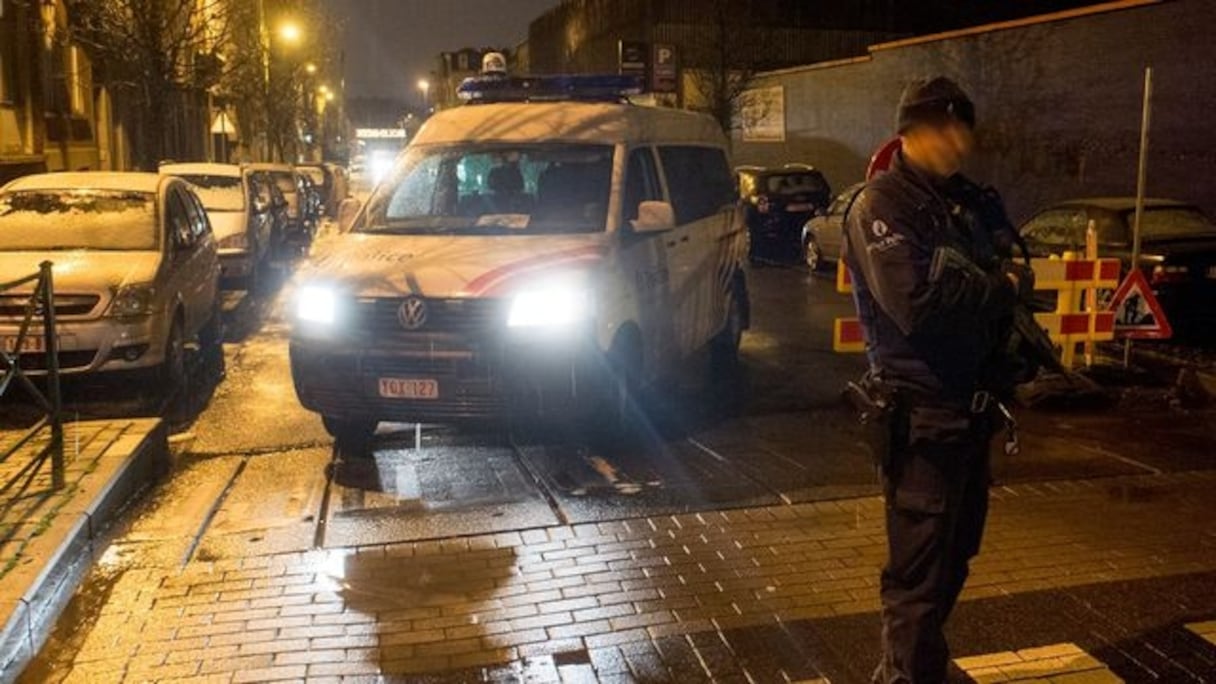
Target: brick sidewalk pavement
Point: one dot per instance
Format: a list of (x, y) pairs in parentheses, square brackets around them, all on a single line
[(693, 595)]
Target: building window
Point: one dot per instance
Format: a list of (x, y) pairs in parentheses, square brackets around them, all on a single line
[(8, 53), (78, 82)]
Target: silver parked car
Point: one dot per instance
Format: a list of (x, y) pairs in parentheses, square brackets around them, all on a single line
[(135, 267), (823, 235), (242, 223)]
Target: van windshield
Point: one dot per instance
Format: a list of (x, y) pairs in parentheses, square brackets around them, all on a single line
[(494, 189)]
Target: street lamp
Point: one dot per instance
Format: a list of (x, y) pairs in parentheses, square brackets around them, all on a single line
[(424, 87), (290, 32), (311, 69)]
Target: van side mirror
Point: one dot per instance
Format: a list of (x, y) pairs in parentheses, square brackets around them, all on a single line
[(348, 211), (654, 217)]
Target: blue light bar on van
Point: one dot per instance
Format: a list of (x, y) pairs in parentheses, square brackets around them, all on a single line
[(608, 88)]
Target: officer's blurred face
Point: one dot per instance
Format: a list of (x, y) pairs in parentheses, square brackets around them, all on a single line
[(940, 148)]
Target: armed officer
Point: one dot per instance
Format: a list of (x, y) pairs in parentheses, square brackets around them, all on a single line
[(936, 335)]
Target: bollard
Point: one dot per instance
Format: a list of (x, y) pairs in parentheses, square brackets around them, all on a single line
[(51, 338)]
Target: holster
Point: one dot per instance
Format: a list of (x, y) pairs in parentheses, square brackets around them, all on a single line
[(877, 407)]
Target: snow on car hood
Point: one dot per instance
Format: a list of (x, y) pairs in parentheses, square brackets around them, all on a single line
[(448, 266), (85, 271)]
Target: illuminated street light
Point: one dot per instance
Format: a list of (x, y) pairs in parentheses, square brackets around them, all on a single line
[(290, 32), (310, 68), (425, 87)]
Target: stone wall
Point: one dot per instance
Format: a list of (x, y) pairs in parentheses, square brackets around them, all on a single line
[(1059, 103)]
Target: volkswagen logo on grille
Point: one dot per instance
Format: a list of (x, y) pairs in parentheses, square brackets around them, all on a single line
[(412, 313)]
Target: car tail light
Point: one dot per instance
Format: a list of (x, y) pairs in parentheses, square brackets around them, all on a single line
[(1164, 275)]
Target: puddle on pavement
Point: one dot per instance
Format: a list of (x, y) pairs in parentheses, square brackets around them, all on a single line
[(74, 626)]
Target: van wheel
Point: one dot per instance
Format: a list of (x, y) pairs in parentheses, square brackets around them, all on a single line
[(352, 436), (724, 348), (614, 414)]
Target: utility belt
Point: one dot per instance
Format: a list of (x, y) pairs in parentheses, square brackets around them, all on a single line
[(894, 419)]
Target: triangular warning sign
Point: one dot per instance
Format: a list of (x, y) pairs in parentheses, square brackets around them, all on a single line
[(1138, 314)]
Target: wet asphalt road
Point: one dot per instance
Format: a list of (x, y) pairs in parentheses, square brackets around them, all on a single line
[(254, 473)]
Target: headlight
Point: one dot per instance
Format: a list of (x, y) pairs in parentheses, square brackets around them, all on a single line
[(132, 300), (237, 241), (316, 304), (550, 308)]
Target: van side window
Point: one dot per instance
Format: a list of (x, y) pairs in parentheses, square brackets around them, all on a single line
[(699, 181), (641, 182)]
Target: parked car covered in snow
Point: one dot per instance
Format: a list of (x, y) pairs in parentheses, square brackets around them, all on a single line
[(136, 273), (242, 222)]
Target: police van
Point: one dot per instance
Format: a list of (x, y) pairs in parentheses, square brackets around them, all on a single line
[(546, 247)]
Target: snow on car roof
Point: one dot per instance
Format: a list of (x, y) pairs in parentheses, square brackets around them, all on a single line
[(570, 122), (202, 169), (89, 180)]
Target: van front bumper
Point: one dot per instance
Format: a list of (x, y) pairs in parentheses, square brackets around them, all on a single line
[(477, 381)]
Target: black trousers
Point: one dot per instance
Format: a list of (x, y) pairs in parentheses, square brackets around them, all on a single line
[(936, 490)]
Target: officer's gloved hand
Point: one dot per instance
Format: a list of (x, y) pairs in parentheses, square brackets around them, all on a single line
[(1024, 277)]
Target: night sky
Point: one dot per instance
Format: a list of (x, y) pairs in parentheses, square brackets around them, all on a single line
[(390, 44)]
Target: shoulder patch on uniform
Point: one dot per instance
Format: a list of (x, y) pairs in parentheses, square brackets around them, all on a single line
[(882, 238)]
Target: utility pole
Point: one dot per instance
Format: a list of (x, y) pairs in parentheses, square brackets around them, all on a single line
[(1141, 181)]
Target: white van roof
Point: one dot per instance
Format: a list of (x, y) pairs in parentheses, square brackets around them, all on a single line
[(586, 122)]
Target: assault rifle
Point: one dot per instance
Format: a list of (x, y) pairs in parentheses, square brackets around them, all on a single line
[(1027, 339)]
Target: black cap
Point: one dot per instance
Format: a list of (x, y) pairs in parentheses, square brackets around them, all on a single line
[(934, 101)]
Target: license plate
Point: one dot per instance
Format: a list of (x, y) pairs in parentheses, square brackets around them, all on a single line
[(797, 208), (409, 388), (32, 344)]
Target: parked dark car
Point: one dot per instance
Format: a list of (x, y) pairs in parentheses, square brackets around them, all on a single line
[(777, 203), (823, 235), (1177, 248)]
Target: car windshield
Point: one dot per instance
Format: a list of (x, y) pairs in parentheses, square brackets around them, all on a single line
[(478, 189), (795, 184), (1173, 222), (218, 193), (48, 220)]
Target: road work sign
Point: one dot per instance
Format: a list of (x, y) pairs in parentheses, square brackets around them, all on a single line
[(1138, 314)]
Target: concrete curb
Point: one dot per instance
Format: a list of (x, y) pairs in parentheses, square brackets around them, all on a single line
[(33, 597)]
